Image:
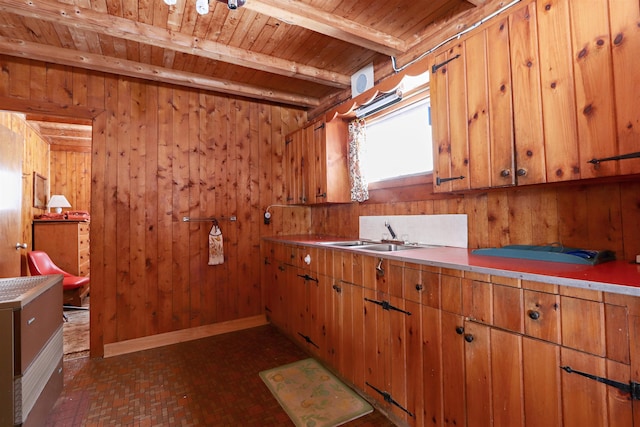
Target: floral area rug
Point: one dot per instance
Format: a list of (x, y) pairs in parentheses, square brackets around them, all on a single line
[(312, 396)]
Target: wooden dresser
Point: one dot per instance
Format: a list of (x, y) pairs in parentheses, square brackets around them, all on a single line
[(66, 242), (31, 348)]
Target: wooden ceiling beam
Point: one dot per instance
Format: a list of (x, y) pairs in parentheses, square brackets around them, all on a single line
[(63, 130), (89, 20), (46, 53), (302, 15), (477, 3), (47, 120)]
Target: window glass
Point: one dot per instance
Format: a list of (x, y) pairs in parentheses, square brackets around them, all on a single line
[(399, 143)]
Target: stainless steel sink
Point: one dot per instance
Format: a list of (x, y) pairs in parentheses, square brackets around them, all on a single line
[(387, 247), (348, 243)]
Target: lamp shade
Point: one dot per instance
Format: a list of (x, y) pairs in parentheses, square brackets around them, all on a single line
[(58, 201)]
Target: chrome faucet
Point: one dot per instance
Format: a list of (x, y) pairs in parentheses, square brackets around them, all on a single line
[(393, 234)]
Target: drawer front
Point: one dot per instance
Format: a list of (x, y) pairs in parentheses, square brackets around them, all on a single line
[(29, 388), (36, 323), (542, 316)]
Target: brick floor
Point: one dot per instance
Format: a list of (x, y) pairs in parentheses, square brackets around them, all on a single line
[(207, 382)]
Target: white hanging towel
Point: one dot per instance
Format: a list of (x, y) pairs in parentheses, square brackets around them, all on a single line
[(216, 251)]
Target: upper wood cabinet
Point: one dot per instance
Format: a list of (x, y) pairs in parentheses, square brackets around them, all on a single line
[(316, 169), (537, 95)]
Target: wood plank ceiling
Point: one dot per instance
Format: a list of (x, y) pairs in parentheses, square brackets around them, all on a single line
[(290, 52)]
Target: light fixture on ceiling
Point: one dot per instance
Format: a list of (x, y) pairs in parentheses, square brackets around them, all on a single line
[(202, 6)]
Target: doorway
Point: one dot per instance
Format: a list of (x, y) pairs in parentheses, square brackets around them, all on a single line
[(59, 150)]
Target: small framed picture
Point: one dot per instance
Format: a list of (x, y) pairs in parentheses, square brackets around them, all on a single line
[(39, 191)]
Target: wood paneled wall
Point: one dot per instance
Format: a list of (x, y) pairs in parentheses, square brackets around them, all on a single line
[(35, 159), (597, 216), (160, 153), (71, 176)]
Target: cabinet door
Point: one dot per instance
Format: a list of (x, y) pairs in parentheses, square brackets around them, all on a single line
[(527, 105), (471, 96), (432, 366), (451, 153), (329, 168), (316, 169), (334, 299), (502, 154), (589, 402), (414, 363), (305, 305), (453, 369), (594, 85), (376, 333), (318, 166), (507, 392), (477, 355), (354, 301), (315, 313), (292, 167), (541, 381), (278, 295), (296, 167), (268, 280), (558, 93), (624, 16)]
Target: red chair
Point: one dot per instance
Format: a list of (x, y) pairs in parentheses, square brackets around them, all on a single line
[(75, 288)]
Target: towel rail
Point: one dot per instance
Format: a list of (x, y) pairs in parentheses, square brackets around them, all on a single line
[(208, 219)]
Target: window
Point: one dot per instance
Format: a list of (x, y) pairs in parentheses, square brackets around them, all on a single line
[(399, 143)]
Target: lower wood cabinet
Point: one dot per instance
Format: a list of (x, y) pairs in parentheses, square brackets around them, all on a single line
[(30, 348), (442, 347)]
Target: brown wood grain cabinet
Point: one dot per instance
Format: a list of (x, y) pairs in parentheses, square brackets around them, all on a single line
[(451, 347), (316, 169), (531, 98), (296, 190), (66, 242), (30, 348)]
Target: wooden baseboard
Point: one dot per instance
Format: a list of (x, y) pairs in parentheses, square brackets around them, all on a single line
[(168, 338)]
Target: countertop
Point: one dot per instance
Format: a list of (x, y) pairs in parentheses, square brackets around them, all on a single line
[(621, 277), (16, 292)]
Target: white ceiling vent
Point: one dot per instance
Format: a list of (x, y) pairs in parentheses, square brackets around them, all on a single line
[(362, 81)]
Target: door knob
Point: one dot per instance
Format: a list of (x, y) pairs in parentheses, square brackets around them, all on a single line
[(21, 246)]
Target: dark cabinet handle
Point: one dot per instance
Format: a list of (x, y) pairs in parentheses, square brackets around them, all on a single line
[(459, 330), (337, 288), (419, 287), (505, 173), (443, 180), (521, 172), (620, 157), (468, 338), (534, 315)]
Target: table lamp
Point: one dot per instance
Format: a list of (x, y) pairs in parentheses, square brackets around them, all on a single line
[(58, 201)]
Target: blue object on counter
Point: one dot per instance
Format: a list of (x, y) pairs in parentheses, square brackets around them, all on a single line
[(553, 253)]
